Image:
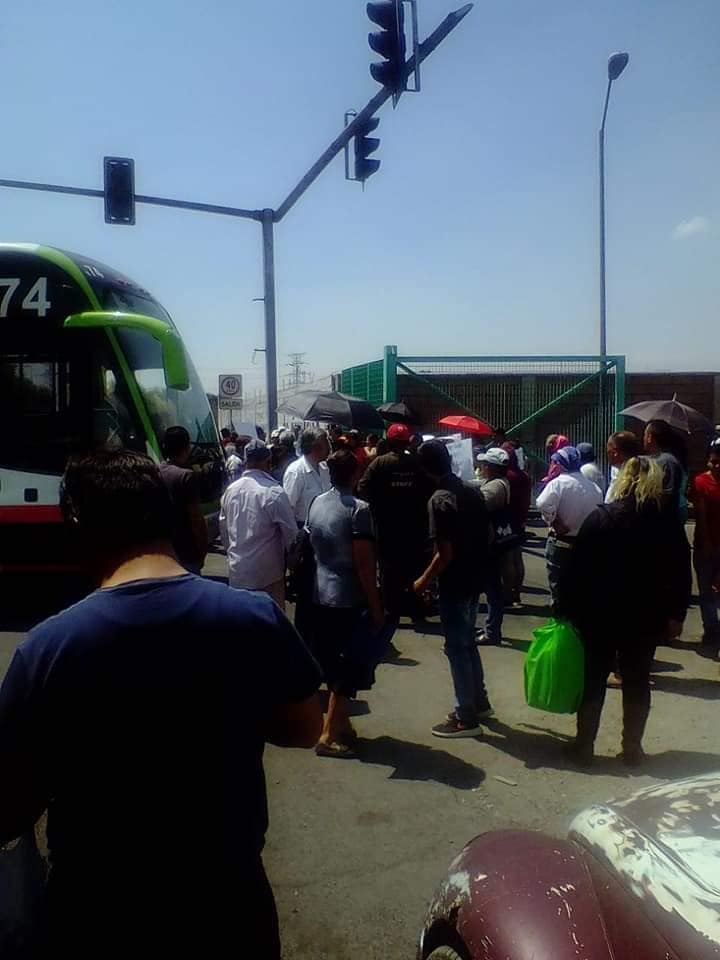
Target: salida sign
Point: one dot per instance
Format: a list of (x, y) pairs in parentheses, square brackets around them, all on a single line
[(230, 391)]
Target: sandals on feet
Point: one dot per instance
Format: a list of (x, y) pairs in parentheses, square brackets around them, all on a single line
[(335, 749)]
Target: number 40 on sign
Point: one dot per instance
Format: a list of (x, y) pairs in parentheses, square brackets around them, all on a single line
[(230, 391)]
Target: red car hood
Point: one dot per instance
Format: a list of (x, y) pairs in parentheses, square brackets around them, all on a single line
[(521, 895)]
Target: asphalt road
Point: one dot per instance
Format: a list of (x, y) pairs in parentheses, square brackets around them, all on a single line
[(356, 847)]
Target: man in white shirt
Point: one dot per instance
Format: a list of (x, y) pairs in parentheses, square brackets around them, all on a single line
[(308, 476), (233, 462), (565, 503), (257, 526)]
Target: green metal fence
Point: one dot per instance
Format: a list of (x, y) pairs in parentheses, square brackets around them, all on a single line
[(530, 397), (366, 381)]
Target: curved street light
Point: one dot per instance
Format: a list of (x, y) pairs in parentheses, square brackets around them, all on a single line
[(616, 64)]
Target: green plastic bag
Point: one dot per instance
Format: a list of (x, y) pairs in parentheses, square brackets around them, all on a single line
[(555, 668)]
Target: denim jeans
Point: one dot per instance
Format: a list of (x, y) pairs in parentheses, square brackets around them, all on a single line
[(556, 558), (495, 601), (458, 615), (707, 570)]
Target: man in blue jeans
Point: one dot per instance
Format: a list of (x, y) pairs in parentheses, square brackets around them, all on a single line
[(459, 527), (495, 488)]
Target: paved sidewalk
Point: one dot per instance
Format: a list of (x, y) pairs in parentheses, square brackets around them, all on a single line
[(356, 847)]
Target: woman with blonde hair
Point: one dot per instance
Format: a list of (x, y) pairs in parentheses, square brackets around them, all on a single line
[(627, 588)]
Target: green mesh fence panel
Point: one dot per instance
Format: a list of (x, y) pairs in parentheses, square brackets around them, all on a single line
[(530, 398), (364, 381)]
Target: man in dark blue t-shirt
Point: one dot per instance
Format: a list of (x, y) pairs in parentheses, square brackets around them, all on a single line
[(138, 717), (460, 530)]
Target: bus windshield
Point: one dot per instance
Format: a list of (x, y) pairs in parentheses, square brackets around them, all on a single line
[(61, 395), (128, 302), (166, 407)]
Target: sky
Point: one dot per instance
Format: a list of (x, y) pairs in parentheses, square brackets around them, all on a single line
[(478, 234)]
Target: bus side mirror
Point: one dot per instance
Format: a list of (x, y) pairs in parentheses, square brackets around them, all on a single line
[(175, 365)]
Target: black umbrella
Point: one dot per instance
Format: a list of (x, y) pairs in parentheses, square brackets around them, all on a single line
[(329, 406), (397, 413)]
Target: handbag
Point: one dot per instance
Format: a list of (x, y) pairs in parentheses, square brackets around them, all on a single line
[(555, 668), (301, 561), (501, 520)]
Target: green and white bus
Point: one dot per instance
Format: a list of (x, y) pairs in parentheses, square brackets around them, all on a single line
[(88, 359)]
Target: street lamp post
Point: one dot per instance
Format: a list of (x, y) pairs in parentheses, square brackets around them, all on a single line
[(616, 64)]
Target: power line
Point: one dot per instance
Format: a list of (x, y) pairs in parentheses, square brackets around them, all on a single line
[(298, 375)]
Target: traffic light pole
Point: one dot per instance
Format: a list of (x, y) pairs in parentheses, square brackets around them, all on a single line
[(427, 47), (268, 232), (139, 198), (269, 217)]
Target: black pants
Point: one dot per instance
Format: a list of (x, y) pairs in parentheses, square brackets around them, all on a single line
[(512, 566), (398, 572), (634, 663)]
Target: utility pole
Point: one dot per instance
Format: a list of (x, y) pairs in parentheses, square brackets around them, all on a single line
[(267, 217), (297, 374), (268, 232)]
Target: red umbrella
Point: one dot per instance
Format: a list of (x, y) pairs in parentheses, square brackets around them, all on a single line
[(468, 425)]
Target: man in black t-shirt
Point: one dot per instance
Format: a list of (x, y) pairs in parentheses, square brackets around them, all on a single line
[(189, 531), (138, 717), (398, 492), (459, 527)]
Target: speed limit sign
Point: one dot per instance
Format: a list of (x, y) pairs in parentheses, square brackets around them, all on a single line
[(230, 391)]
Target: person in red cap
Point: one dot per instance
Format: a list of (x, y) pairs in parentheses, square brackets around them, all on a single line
[(398, 492), (399, 432)]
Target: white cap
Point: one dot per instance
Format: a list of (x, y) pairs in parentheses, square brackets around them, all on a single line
[(496, 456)]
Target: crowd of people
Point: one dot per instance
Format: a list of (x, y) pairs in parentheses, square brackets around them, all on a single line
[(125, 709), (392, 532)]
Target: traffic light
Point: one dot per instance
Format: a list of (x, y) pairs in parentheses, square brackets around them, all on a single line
[(364, 145), (389, 15), (119, 186)]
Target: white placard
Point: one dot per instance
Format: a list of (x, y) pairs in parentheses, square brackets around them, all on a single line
[(462, 459), (230, 391)]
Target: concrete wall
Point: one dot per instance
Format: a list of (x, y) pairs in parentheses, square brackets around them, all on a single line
[(698, 390)]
